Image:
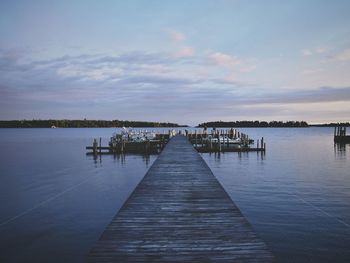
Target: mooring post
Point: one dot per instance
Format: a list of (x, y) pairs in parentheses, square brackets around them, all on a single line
[(114, 145), (94, 145), (148, 146), (228, 139), (262, 142), (100, 144)]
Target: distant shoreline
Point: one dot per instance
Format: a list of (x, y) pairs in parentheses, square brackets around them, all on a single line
[(265, 124), (146, 124), (84, 124)]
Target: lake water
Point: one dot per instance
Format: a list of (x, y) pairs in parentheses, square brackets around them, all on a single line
[(56, 201)]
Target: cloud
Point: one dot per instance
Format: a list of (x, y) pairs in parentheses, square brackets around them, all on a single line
[(185, 52), (322, 94), (317, 50), (248, 68), (224, 59), (344, 55), (137, 83), (312, 71), (181, 50), (306, 52), (176, 36), (101, 73), (321, 50), (131, 58)]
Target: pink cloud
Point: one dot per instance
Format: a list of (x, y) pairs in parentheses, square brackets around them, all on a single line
[(224, 59), (343, 55), (185, 52), (176, 36)]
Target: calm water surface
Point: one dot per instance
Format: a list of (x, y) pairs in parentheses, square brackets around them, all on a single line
[(297, 196), (56, 201)]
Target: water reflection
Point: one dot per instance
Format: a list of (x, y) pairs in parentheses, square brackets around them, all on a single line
[(121, 159), (340, 150), (260, 156), (241, 155), (97, 160)]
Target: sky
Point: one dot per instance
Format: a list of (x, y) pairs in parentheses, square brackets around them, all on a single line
[(179, 61)]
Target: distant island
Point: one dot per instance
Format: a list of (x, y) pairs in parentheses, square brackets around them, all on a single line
[(272, 124), (247, 124), (333, 124), (83, 124)]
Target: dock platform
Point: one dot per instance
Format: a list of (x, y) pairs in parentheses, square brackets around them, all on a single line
[(179, 212)]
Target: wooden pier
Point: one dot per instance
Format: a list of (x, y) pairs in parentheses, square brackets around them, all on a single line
[(118, 145), (179, 212), (219, 141), (340, 135)]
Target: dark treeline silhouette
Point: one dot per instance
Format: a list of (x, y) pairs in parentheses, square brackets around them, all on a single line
[(332, 124), (297, 124), (82, 124)]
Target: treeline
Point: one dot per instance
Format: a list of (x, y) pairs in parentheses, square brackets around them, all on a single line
[(332, 124), (82, 124), (254, 124)]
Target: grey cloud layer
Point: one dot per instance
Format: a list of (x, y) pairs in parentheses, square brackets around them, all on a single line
[(128, 83)]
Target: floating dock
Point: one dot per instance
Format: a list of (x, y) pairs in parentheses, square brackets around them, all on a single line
[(179, 212), (126, 146), (221, 141), (229, 140)]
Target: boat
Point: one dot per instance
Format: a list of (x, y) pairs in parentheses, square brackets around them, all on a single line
[(225, 140), (128, 134)]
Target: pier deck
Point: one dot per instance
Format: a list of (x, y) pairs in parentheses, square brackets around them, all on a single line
[(179, 213)]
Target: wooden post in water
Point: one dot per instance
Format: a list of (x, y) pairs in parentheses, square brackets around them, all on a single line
[(195, 134), (262, 142), (228, 141), (94, 145), (100, 145)]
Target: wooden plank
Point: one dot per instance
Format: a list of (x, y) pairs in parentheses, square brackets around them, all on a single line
[(179, 213)]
